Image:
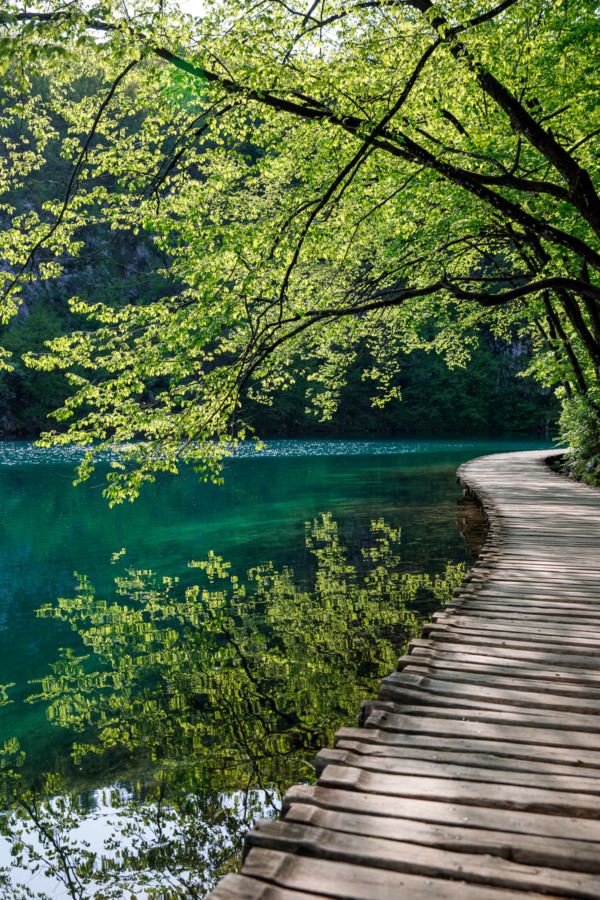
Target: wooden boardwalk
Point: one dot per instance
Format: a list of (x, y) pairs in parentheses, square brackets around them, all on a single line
[(478, 772)]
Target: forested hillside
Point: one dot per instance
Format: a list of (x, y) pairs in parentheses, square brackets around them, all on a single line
[(485, 398)]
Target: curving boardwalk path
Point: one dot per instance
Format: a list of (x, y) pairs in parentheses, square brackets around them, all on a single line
[(478, 772)]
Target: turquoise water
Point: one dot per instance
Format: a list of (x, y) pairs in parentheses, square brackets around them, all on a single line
[(330, 614)]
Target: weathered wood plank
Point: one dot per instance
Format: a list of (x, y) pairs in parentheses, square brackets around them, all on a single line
[(397, 682), (344, 881), (443, 813), (401, 856), (498, 748), (587, 633), (506, 565), (581, 856), (453, 725), (412, 700), (506, 679), (540, 720), (535, 653), (464, 758), (542, 592), (477, 634), (525, 612), (240, 887), (431, 769), (516, 597), (475, 662), (528, 799), (534, 559), (529, 575)]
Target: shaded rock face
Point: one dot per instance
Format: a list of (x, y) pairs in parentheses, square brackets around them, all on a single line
[(8, 427), (472, 523)]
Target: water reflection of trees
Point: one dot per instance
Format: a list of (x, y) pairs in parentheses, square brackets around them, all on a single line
[(223, 689)]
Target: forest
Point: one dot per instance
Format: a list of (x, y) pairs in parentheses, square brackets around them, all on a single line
[(317, 202)]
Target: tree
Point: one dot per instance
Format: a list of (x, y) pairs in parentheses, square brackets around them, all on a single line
[(380, 174)]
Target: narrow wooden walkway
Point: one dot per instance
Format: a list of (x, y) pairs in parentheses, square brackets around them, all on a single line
[(478, 772)]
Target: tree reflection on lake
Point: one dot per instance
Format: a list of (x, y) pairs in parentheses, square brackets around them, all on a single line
[(200, 705)]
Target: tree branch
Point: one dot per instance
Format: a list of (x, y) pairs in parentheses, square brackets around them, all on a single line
[(41, 241), (581, 189), (555, 284)]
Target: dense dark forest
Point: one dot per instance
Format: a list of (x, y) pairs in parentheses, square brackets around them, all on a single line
[(486, 397)]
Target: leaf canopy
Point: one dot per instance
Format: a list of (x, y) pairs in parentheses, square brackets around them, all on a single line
[(382, 174)]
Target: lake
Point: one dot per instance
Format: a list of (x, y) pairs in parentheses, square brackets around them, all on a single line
[(171, 666)]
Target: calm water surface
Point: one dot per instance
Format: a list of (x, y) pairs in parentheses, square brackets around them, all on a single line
[(212, 683)]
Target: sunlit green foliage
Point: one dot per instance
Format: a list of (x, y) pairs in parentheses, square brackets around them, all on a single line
[(317, 181)]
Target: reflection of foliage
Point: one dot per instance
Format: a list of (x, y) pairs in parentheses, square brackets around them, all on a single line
[(226, 686), (234, 675), (151, 847)]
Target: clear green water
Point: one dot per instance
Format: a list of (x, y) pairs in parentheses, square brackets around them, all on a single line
[(224, 694)]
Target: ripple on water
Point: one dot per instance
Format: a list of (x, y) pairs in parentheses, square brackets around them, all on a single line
[(25, 453)]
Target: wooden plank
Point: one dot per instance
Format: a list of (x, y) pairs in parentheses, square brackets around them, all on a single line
[(394, 684), (581, 856), (447, 814), (414, 699), (540, 576), (535, 653), (539, 568), (488, 594), (344, 881), (512, 637), (505, 796), (473, 589), (400, 856), (549, 593), (459, 657), (490, 713), (516, 625), (464, 758), (505, 565), (520, 533), (443, 660), (239, 887), (521, 592), (496, 746), (506, 680), (516, 558), (432, 769), (455, 726), (526, 611)]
